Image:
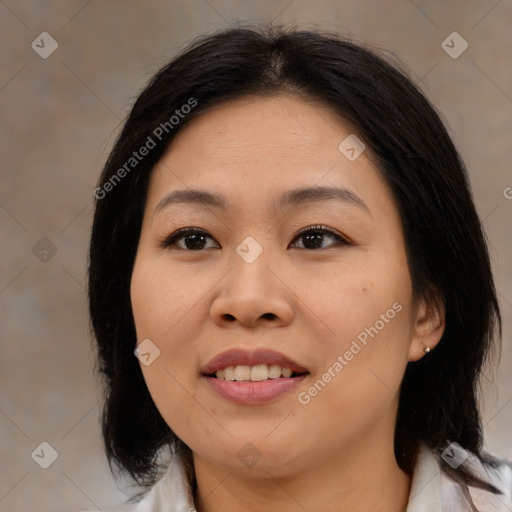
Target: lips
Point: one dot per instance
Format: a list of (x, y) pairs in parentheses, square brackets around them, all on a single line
[(238, 357)]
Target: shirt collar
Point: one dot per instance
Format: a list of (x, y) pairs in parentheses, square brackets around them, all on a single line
[(425, 495)]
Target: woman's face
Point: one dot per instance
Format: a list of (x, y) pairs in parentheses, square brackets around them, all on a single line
[(335, 305)]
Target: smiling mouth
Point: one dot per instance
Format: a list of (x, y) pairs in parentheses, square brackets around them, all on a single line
[(256, 373)]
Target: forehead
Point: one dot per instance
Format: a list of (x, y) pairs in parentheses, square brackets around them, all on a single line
[(254, 149), (253, 127)]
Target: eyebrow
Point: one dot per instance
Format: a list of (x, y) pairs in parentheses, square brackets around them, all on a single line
[(290, 199)]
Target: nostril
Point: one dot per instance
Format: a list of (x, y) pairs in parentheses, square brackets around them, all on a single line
[(268, 316)]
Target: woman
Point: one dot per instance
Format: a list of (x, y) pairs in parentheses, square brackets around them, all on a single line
[(285, 238)]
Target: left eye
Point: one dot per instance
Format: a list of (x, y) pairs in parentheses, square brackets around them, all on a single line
[(313, 237), (194, 239)]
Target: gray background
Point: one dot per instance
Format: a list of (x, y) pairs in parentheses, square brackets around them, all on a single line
[(59, 118)]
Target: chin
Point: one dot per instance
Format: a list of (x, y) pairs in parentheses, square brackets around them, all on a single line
[(260, 455)]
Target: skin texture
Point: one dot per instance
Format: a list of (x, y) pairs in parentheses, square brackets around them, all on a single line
[(335, 452)]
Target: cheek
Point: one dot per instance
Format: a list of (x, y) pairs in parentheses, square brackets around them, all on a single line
[(163, 311), (368, 288), (364, 312), (368, 337), (156, 313), (161, 299), (359, 381)]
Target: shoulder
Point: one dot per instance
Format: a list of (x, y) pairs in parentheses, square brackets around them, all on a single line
[(494, 471), (172, 492), (438, 486)]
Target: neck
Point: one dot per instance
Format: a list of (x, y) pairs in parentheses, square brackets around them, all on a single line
[(364, 477)]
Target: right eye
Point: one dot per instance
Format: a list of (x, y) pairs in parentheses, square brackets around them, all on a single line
[(187, 239)]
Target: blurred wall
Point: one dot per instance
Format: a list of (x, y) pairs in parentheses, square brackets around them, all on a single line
[(60, 113)]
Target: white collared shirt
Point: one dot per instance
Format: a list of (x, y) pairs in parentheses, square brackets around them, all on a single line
[(432, 490)]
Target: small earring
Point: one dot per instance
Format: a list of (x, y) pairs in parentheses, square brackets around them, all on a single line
[(425, 349)]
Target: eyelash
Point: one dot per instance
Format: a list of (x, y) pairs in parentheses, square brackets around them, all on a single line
[(183, 232)]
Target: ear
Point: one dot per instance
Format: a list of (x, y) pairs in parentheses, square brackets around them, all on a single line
[(428, 327)]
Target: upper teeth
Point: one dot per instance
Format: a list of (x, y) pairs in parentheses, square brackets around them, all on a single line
[(256, 373)]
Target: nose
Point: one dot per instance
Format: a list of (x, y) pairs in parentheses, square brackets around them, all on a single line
[(253, 294)]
